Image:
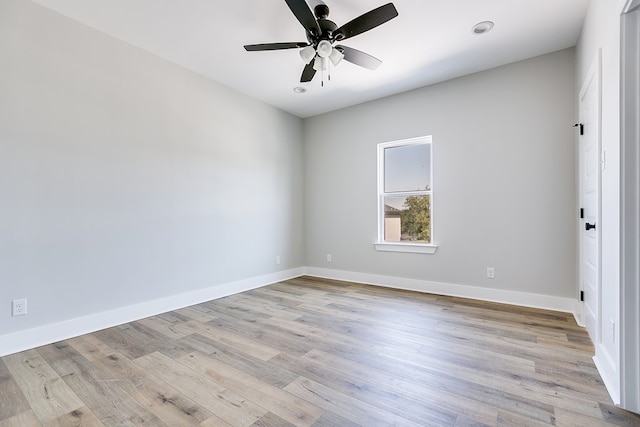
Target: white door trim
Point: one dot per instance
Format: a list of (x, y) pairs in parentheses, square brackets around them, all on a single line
[(630, 207)]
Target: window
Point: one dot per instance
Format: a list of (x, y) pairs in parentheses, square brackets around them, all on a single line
[(405, 196)]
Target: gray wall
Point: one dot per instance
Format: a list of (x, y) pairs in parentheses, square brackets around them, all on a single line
[(504, 179), (125, 178)]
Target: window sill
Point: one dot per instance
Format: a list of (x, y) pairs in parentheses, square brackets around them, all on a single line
[(416, 248)]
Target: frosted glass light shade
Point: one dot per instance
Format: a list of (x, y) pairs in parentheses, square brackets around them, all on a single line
[(336, 56), (320, 64), (307, 54), (324, 49)]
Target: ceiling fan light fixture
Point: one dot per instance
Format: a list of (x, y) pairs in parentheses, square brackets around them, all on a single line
[(324, 49), (321, 64), (307, 54), (336, 56)]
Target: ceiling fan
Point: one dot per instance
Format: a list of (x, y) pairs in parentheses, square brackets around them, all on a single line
[(320, 49)]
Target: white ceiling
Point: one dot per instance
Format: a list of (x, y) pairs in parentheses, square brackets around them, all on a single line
[(430, 41)]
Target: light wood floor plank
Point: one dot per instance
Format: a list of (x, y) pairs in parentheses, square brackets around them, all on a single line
[(232, 339), (27, 418), (274, 338), (214, 421), (90, 347), (400, 400), (246, 362), (48, 395), (464, 407), (12, 401), (226, 404), (355, 410), (158, 397), (329, 419), (164, 327), (275, 400), (81, 417), (266, 308), (568, 418), (272, 420), (101, 394)]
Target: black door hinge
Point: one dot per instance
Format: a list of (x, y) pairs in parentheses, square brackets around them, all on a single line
[(581, 295), (581, 126), (581, 213)]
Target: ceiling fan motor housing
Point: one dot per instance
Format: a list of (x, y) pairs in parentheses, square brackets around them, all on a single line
[(326, 26)]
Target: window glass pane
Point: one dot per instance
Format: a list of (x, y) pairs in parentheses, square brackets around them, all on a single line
[(407, 219), (407, 168)]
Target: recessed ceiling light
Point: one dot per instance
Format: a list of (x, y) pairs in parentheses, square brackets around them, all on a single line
[(482, 27), (299, 89)]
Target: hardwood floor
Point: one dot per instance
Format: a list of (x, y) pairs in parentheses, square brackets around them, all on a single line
[(315, 352)]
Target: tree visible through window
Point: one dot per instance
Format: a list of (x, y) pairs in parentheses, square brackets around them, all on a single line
[(404, 191), (415, 219)]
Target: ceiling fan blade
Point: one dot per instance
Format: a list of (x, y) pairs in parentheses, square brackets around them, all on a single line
[(306, 17), (359, 58), (308, 72), (274, 46), (365, 22)]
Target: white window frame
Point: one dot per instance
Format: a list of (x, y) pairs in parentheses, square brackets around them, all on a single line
[(381, 244)]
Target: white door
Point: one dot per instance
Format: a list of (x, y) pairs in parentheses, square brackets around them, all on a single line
[(589, 143)]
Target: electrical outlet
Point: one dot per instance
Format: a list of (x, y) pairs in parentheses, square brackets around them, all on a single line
[(277, 259), (19, 307), (491, 273), (328, 257)]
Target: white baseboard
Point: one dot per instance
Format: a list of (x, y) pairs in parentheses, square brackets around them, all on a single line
[(604, 369), (565, 305), (47, 334)]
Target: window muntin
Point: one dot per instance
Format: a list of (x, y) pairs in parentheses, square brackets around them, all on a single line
[(405, 192)]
